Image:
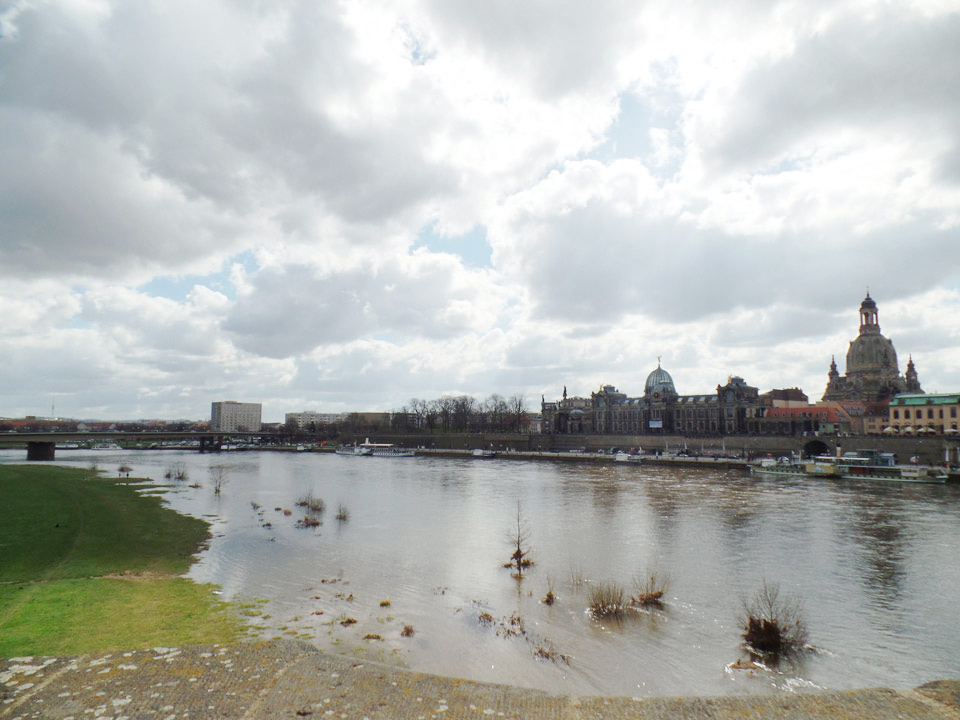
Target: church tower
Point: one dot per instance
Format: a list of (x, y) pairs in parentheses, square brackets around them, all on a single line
[(872, 373)]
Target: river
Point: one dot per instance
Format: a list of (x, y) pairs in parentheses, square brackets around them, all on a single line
[(874, 566)]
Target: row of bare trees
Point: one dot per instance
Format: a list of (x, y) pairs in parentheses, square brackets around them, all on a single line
[(463, 413)]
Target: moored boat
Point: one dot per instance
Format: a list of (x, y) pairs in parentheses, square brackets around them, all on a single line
[(368, 448), (778, 466), (876, 465)]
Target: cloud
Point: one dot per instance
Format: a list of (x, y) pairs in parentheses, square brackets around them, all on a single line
[(716, 185), (890, 74), (289, 310)]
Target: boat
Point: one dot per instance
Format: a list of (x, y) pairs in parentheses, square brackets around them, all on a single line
[(353, 450), (481, 453), (862, 465), (368, 448), (779, 466), (626, 457)]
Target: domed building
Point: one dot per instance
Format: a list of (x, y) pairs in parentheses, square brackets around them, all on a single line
[(872, 373), (659, 384), (660, 410)]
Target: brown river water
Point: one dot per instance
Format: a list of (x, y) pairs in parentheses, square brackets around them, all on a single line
[(876, 567)]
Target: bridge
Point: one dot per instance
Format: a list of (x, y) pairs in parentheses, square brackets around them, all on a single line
[(42, 445)]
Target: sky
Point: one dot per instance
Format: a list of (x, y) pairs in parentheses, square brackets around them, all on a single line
[(341, 206)]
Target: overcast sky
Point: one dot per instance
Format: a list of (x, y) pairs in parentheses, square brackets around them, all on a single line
[(344, 205)]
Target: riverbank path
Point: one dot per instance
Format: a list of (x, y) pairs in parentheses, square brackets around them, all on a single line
[(291, 679)]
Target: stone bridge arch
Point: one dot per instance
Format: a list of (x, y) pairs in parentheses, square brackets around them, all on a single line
[(816, 447)]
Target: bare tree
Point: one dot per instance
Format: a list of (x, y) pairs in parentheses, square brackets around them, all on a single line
[(519, 539), (443, 409), (518, 411), (464, 407), (219, 477), (496, 409), (419, 408)]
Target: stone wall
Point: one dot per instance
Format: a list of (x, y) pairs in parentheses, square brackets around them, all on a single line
[(929, 450)]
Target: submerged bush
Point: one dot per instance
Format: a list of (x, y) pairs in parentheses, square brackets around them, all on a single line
[(606, 600), (650, 589), (773, 624), (313, 504)]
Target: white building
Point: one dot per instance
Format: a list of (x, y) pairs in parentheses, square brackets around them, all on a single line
[(233, 416), (304, 418)]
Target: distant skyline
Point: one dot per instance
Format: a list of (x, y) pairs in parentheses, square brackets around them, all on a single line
[(342, 206)]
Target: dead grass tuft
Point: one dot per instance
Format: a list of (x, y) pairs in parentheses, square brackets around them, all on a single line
[(606, 600), (650, 589), (312, 503)]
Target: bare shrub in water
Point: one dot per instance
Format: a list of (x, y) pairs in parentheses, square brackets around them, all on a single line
[(312, 503), (606, 600), (650, 588), (773, 624), (218, 474), (343, 512), (550, 598)]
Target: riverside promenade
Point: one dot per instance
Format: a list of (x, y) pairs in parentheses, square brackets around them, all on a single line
[(291, 679)]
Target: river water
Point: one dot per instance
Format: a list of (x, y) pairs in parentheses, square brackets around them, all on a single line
[(874, 565)]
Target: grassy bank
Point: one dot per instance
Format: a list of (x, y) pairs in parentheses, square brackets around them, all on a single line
[(87, 564)]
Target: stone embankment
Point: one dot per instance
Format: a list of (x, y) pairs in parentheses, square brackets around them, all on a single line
[(290, 679)]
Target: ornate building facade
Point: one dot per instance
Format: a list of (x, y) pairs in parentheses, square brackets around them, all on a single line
[(872, 374), (734, 408)]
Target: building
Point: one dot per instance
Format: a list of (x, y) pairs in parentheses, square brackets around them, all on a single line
[(233, 416), (733, 409), (808, 420), (310, 419), (872, 374), (920, 413), (786, 398)]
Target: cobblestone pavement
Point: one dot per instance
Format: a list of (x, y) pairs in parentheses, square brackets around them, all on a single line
[(291, 679)]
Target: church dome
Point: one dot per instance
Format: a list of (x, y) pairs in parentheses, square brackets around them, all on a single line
[(870, 353), (659, 381)]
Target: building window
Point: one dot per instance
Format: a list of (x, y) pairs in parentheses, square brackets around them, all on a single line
[(953, 412), (930, 414), (906, 414), (896, 414)]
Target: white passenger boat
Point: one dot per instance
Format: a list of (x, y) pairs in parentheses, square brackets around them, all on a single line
[(862, 465), (626, 457), (368, 448), (778, 466), (481, 453)]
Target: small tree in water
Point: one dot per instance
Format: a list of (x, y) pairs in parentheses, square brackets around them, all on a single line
[(519, 538), (218, 474), (773, 624)]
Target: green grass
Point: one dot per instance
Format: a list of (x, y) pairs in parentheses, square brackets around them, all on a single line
[(64, 531), (65, 523), (68, 617)]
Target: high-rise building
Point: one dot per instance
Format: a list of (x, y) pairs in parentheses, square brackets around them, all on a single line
[(233, 416)]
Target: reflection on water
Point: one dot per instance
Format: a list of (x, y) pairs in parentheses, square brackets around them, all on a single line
[(874, 566)]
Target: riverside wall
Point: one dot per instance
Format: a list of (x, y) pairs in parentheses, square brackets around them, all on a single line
[(928, 450)]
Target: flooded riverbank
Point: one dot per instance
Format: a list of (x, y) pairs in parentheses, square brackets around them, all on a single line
[(873, 565)]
